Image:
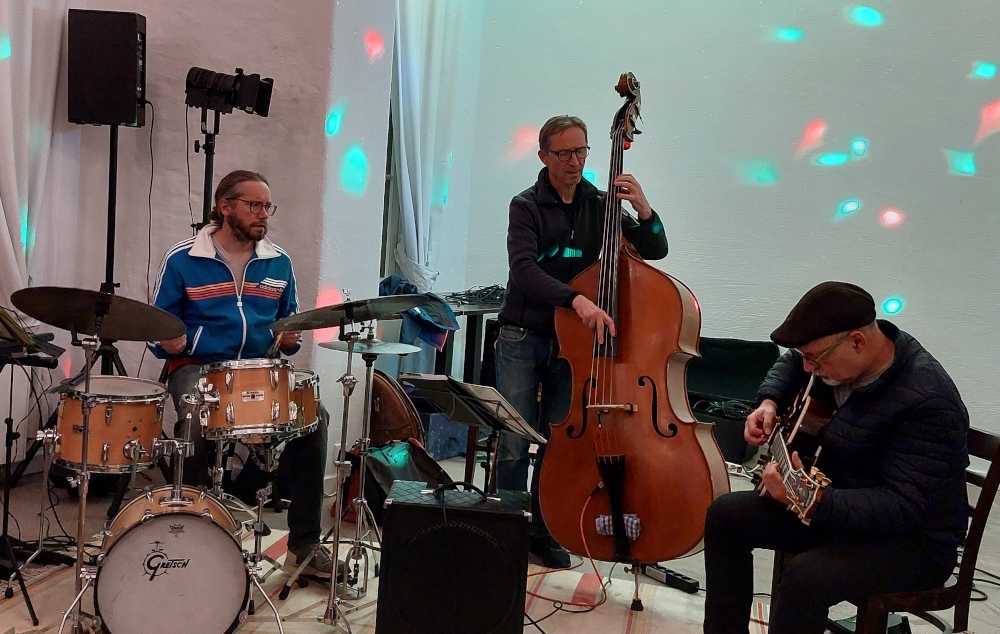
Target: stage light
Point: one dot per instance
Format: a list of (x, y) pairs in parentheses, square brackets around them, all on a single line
[(859, 147), (758, 173), (591, 176), (222, 93), (983, 70), (374, 45), (891, 218), (826, 160), (354, 171), (892, 306), (336, 118), (4, 47), (849, 207), (961, 163), (989, 121), (812, 138), (786, 34), (866, 16)]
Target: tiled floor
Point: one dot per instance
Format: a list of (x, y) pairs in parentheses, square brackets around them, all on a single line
[(667, 610)]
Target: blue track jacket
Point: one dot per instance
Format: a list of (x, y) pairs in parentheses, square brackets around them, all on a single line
[(224, 323)]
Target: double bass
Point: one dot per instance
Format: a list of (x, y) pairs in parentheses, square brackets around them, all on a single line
[(630, 456)]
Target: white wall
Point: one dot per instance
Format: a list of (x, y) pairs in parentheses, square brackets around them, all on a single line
[(716, 91)]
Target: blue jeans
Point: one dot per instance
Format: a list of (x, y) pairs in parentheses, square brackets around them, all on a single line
[(525, 360)]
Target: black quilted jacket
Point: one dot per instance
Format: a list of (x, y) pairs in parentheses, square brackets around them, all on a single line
[(895, 451)]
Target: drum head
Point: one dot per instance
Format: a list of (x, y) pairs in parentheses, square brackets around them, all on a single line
[(173, 573), (122, 386)]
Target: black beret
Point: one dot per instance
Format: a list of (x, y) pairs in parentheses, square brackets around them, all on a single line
[(827, 309)]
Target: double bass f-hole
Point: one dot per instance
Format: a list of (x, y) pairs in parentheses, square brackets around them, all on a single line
[(672, 428), (571, 431)]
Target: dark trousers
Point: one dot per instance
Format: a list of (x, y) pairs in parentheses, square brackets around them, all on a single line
[(525, 359), (821, 570), (304, 458)]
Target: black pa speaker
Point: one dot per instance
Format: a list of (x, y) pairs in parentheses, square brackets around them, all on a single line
[(107, 68), (452, 564)]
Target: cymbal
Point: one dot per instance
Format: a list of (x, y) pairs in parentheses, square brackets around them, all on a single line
[(350, 312), (77, 309), (372, 346)]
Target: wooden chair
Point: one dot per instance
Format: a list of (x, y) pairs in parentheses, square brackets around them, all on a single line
[(873, 615)]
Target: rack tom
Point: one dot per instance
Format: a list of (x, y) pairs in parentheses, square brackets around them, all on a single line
[(253, 400), (307, 401), (126, 416)]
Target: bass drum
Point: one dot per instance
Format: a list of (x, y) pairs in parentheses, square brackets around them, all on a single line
[(172, 568)]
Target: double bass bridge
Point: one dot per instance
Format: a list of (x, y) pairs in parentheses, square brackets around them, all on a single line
[(628, 408)]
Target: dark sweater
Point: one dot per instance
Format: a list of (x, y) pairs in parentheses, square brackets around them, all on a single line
[(550, 242), (895, 451)]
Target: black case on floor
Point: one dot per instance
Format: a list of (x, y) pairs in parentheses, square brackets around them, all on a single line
[(455, 564)]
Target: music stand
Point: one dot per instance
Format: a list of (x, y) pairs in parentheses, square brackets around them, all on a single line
[(474, 405)]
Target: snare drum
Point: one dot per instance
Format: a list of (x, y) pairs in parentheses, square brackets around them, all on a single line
[(127, 416), (172, 566), (306, 398), (254, 400)]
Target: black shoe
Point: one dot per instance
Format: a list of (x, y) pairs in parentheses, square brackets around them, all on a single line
[(553, 555)]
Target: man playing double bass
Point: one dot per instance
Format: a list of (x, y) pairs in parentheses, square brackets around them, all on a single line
[(895, 452), (554, 233)]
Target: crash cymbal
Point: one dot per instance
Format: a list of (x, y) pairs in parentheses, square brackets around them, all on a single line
[(76, 309), (372, 346), (350, 312)]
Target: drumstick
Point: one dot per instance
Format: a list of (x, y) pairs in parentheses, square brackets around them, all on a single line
[(272, 352)]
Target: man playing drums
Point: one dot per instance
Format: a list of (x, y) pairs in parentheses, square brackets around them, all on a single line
[(228, 284)]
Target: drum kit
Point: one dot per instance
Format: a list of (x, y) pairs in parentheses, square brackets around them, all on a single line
[(186, 539)]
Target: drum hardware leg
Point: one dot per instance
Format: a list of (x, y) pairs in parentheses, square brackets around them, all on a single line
[(277, 617), (84, 579)]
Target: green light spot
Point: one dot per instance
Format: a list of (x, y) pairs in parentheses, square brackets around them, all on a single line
[(831, 159), (961, 163), (892, 306), (866, 16), (760, 173), (859, 147), (786, 34), (354, 171), (335, 119), (850, 206), (572, 253), (591, 176), (657, 226), (4, 47), (983, 70)]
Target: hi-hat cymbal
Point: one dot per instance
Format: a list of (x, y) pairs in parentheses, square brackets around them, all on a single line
[(76, 309), (372, 346), (350, 312)]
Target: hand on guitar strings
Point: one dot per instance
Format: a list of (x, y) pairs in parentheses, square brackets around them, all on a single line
[(593, 317), (760, 423), (773, 482)]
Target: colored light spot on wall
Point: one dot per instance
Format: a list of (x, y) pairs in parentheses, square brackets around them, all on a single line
[(374, 45), (758, 173), (865, 16), (572, 253), (812, 138), (827, 160), (67, 366), (591, 176), (989, 121), (961, 163), (891, 218), (354, 171), (335, 119), (983, 70), (892, 306), (849, 207), (657, 226), (786, 34), (327, 296), (4, 47), (859, 147), (522, 144)]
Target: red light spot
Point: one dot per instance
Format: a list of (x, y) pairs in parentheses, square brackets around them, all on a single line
[(989, 121), (812, 138), (373, 42), (628, 144), (327, 297), (525, 142), (891, 218), (67, 365)]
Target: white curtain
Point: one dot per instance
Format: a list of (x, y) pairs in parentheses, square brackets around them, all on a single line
[(31, 44), (428, 36)]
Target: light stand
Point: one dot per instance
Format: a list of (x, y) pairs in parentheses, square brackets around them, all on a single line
[(209, 148)]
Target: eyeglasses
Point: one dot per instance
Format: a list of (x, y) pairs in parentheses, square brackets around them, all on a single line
[(818, 358), (564, 155), (257, 207)]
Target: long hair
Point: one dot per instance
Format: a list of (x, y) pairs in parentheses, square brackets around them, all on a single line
[(227, 188)]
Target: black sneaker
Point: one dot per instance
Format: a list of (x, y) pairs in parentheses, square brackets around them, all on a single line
[(553, 555)]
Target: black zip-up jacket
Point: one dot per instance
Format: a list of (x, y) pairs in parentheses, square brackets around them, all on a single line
[(895, 451), (549, 242)]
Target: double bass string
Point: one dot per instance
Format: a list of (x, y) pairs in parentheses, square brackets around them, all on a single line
[(604, 290)]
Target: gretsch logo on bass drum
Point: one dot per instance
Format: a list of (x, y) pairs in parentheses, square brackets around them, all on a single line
[(158, 563)]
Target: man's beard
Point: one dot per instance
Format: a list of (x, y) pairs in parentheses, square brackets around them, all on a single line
[(830, 382), (245, 232)]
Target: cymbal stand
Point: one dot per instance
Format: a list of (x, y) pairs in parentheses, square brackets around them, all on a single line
[(255, 558)]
